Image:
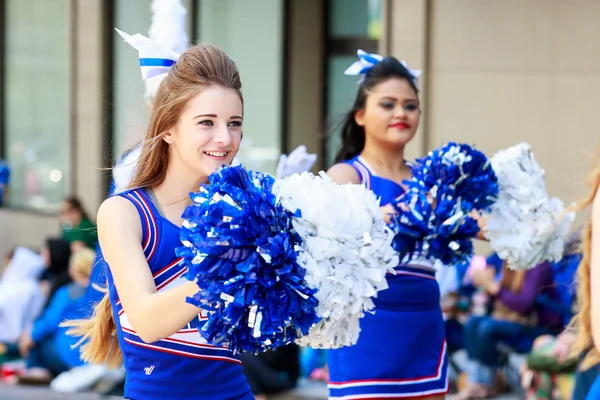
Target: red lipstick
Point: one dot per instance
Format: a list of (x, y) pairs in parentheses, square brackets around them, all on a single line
[(400, 125)]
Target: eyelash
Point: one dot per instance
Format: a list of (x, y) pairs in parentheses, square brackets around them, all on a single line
[(407, 107), (208, 122)]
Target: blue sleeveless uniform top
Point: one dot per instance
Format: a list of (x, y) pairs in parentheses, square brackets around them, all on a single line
[(183, 365), (401, 349), (387, 191), (383, 188)]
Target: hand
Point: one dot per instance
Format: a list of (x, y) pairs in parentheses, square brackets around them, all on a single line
[(562, 346), (479, 276), (432, 199), (388, 212), (297, 162), (481, 222), (25, 344), (485, 278)]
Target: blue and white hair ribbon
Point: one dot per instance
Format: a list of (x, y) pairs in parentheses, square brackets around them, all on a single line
[(367, 61), (155, 59)]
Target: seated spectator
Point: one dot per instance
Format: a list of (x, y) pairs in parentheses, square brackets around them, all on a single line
[(550, 369), (458, 298), (21, 298), (47, 347), (548, 358), (77, 228), (86, 376), (56, 254), (273, 371), (516, 320), (448, 279)]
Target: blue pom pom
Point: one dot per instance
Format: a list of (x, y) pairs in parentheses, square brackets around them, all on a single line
[(412, 224), (433, 214), (458, 173), (239, 245), (452, 242)]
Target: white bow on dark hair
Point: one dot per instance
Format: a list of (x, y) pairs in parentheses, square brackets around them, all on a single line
[(367, 61)]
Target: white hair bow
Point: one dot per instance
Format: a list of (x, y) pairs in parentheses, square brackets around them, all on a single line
[(155, 59), (367, 61)]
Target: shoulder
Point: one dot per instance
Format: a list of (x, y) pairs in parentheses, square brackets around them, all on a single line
[(115, 204), (119, 227), (344, 173), (117, 210)]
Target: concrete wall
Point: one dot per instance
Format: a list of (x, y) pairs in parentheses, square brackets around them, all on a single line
[(500, 72)]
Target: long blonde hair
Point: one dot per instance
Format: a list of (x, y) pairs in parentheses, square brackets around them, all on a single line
[(582, 323), (200, 66)]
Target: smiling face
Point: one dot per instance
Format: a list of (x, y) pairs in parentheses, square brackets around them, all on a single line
[(208, 132), (391, 114)]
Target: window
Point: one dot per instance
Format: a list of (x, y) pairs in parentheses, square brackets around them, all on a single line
[(36, 94), (351, 25), (251, 33)]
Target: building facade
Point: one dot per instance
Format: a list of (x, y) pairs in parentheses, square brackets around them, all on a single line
[(496, 72)]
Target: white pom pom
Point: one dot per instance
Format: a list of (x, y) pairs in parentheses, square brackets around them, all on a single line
[(525, 226), (125, 168), (168, 25), (346, 252), (168, 29)]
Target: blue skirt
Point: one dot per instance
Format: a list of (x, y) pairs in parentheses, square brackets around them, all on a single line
[(401, 351)]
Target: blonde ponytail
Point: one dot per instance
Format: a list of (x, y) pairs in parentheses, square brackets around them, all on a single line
[(98, 336), (582, 323)]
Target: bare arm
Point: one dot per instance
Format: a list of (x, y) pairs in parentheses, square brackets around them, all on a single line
[(154, 315), (344, 173), (595, 272)]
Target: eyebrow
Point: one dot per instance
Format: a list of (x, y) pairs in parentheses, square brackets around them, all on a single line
[(215, 116), (395, 99)]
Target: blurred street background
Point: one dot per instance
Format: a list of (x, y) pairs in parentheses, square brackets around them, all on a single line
[(495, 73)]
